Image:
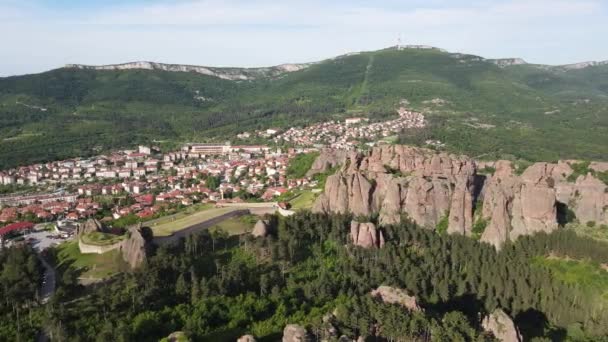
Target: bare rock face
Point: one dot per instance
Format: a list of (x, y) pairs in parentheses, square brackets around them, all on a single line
[(590, 200), (246, 338), (516, 206), (91, 225), (395, 179), (366, 235), (260, 229), (393, 295), (134, 249), (429, 186), (501, 326), (345, 193), (534, 209), (427, 201), (295, 333), (460, 220), (328, 159)]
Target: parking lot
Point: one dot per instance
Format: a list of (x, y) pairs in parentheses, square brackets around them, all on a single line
[(44, 239)]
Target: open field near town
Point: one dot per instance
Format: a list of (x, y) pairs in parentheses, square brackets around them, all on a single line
[(170, 218), (236, 225), (304, 200), (93, 266), (173, 224)]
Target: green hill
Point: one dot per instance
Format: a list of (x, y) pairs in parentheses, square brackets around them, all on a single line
[(475, 106)]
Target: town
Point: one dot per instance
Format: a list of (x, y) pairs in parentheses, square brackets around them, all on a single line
[(146, 183)]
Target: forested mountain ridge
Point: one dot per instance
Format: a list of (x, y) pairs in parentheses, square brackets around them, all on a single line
[(474, 105)]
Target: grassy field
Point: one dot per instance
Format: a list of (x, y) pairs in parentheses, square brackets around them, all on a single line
[(96, 266), (304, 200), (101, 239), (585, 274), (237, 225), (169, 225), (188, 211)]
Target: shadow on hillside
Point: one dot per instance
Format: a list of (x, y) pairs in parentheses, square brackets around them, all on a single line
[(533, 323)]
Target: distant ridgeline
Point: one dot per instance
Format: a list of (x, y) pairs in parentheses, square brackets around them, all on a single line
[(475, 105)]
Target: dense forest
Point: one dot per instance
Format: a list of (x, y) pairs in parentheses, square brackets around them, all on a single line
[(474, 106), (217, 288), (20, 277)]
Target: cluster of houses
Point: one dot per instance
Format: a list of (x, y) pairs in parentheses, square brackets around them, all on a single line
[(351, 132), (143, 182), (150, 181), (60, 207)]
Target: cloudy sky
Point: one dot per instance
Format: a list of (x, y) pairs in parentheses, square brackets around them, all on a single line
[(37, 35)]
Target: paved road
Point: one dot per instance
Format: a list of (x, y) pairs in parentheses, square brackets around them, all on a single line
[(48, 287)]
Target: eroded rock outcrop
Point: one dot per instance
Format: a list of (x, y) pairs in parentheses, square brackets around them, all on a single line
[(395, 179), (366, 235), (393, 295), (91, 225), (501, 326), (261, 229), (432, 187), (246, 338), (328, 159), (519, 205), (135, 248), (295, 333)]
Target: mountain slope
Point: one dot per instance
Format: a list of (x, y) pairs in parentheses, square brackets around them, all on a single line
[(476, 106)]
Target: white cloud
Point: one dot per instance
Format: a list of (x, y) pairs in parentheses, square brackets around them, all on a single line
[(252, 33)]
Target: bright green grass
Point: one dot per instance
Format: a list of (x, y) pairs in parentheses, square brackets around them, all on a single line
[(585, 274), (170, 226), (304, 200), (101, 239), (95, 266)]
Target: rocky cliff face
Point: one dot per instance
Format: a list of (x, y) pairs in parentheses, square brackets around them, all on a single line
[(519, 205), (329, 158), (366, 235), (134, 249), (395, 179), (234, 74), (431, 187), (501, 326)]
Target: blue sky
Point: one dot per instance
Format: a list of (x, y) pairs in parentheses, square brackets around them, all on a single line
[(38, 35)]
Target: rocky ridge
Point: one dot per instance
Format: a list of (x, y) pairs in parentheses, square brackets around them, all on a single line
[(436, 187), (233, 74)]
